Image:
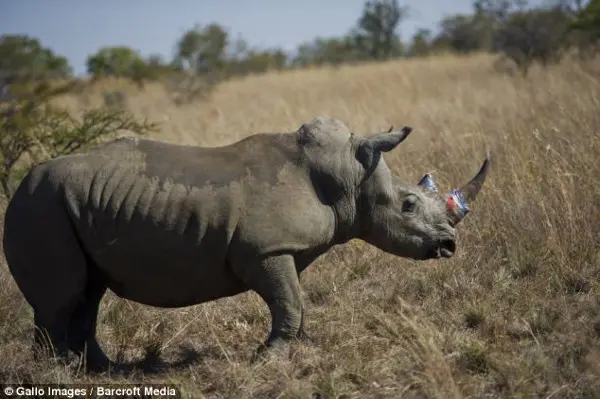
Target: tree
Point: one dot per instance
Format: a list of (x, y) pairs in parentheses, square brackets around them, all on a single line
[(156, 66), (461, 33), (241, 59), (23, 58), (537, 35), (202, 51), (32, 130), (118, 61), (376, 35), (32, 126), (259, 61), (499, 10), (327, 51), (421, 43), (200, 62), (586, 24)]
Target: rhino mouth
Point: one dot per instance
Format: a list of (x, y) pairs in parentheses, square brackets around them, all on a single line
[(442, 249)]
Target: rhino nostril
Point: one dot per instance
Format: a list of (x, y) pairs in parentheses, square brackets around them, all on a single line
[(447, 248)]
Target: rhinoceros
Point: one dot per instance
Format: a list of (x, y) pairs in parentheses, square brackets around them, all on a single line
[(170, 225)]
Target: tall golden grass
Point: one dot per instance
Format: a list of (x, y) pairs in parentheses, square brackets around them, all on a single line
[(516, 312)]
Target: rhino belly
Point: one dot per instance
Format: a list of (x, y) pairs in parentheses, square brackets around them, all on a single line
[(165, 279), (156, 242)]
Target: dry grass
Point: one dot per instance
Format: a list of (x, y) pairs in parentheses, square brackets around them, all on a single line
[(516, 312)]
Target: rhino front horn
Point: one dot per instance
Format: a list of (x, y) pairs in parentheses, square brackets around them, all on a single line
[(470, 190), (458, 199)]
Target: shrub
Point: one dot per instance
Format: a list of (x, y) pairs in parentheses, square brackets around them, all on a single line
[(33, 129)]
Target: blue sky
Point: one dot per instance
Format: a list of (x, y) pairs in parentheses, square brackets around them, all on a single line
[(77, 28)]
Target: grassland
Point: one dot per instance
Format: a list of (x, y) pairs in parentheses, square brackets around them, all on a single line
[(516, 312)]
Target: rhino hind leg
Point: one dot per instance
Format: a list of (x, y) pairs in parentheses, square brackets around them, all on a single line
[(51, 321), (49, 340), (50, 267), (81, 335), (72, 327)]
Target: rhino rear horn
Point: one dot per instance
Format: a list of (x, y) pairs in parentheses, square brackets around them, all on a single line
[(470, 190), (428, 183)]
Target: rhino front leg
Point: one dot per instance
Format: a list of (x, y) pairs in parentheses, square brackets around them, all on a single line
[(276, 281), (302, 261), (302, 335)]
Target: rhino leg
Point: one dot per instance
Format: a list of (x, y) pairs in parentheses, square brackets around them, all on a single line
[(49, 339), (276, 281), (49, 265), (82, 327), (302, 335), (71, 325), (303, 260)]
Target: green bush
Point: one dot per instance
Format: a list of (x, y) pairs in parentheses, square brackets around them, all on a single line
[(32, 129)]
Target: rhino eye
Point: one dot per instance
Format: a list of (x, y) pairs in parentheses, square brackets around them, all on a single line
[(409, 205)]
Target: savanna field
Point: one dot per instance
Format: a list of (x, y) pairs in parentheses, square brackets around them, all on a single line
[(516, 311)]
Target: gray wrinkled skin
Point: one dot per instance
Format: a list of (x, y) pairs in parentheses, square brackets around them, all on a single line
[(169, 226)]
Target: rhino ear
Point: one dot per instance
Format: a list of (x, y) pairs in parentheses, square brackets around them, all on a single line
[(366, 155), (370, 148), (387, 141)]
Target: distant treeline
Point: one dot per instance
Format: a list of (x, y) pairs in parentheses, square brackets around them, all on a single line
[(521, 32)]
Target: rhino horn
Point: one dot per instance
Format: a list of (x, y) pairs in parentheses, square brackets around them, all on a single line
[(470, 190), (458, 200), (428, 183)]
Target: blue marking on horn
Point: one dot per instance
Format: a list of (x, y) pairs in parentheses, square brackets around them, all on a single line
[(428, 183)]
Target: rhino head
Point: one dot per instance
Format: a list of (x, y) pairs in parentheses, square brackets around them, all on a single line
[(412, 221)]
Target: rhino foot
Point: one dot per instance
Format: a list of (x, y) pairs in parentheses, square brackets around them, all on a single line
[(280, 347), (305, 338), (276, 349), (95, 359)]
